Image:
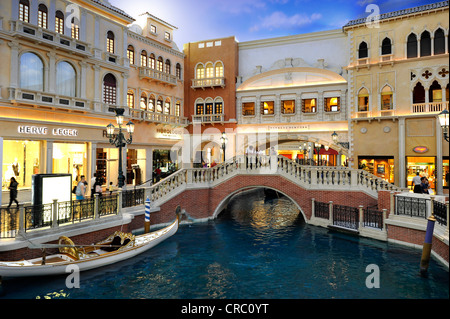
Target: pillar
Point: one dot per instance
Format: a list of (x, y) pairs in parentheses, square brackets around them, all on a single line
[(439, 159), (401, 152)]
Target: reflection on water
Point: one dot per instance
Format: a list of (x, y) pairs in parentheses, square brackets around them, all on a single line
[(258, 248)]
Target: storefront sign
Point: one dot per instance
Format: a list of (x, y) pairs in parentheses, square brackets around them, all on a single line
[(169, 134), (42, 130), (420, 149), (288, 128)]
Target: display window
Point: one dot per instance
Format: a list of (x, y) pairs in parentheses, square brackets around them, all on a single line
[(382, 167), (70, 158), (136, 164), (21, 159), (425, 165), (166, 162)]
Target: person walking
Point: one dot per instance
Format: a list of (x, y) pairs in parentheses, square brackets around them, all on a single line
[(13, 192), (81, 189), (98, 186)]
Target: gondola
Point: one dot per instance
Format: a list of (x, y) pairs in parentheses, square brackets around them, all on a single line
[(117, 247)]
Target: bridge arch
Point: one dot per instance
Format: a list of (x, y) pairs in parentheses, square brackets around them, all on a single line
[(224, 202)]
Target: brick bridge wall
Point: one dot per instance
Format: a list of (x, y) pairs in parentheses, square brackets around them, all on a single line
[(202, 203)]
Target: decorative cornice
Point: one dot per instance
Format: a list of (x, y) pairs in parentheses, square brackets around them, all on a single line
[(154, 44)]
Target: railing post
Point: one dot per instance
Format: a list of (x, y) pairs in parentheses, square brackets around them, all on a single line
[(313, 208), (313, 176), (384, 218), (21, 218), (330, 215), (96, 205), (55, 213), (361, 217), (353, 178)]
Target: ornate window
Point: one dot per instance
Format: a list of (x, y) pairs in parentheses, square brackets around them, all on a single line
[(130, 54), (363, 51), (332, 104), (200, 72), (152, 61), (177, 108), (110, 42), (425, 44), (386, 46), (363, 100), (151, 103), (439, 41), (178, 71), (159, 64), (309, 105), (109, 89), (288, 106), (24, 10), (75, 30), (267, 108), (144, 60), (411, 46), (42, 16), (199, 107), (31, 72), (387, 101), (66, 79), (248, 108), (159, 105), (435, 92), (59, 22), (130, 99), (167, 106), (418, 94), (167, 67)]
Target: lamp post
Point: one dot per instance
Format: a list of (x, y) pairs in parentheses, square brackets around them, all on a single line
[(444, 119), (224, 141), (334, 136), (317, 147), (119, 140), (304, 149)]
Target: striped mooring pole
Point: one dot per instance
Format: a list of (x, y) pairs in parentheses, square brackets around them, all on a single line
[(426, 250), (147, 215)]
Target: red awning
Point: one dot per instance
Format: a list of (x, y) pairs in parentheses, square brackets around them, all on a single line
[(329, 152)]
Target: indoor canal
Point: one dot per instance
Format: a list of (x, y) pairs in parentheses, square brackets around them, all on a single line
[(258, 248)]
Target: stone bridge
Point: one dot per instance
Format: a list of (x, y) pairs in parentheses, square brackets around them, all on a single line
[(204, 192)]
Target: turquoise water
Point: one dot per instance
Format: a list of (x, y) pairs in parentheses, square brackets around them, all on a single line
[(257, 249)]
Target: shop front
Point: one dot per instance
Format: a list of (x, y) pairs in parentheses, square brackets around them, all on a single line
[(425, 166), (380, 166)]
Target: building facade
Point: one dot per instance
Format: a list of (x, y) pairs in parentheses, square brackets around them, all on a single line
[(67, 69), (398, 77)]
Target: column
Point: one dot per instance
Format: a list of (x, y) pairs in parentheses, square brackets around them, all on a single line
[(50, 75), (51, 15), (401, 152), (439, 160), (92, 163), (83, 79), (124, 92), (149, 163), (49, 157), (14, 68)]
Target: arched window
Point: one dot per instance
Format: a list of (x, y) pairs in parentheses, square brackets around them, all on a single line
[(167, 66), (59, 22), (24, 10), (151, 103), (387, 102), (435, 92), (219, 70), (130, 99), (159, 64), (199, 107), (152, 61), (411, 46), (42, 16), (109, 89), (159, 105), (66, 79), (144, 59), (177, 108), (386, 46), (75, 30), (31, 72), (143, 101), (130, 54), (363, 51), (167, 106), (218, 105), (209, 70), (178, 71), (363, 100), (209, 106), (439, 41), (200, 72), (418, 94), (425, 44), (110, 42)]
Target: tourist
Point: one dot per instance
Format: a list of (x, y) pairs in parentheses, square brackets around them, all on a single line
[(13, 192), (416, 183), (424, 185), (98, 186), (92, 184), (81, 189)]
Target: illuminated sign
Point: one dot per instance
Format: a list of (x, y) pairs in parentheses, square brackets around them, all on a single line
[(169, 134), (420, 149), (41, 130)]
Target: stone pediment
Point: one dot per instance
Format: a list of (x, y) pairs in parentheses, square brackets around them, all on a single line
[(291, 77)]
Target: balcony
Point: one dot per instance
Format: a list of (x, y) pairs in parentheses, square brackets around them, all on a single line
[(208, 118), (49, 38), (157, 76), (143, 115), (208, 83), (48, 100), (429, 107)]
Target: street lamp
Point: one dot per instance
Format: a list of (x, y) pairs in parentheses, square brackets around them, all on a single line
[(224, 141), (304, 149), (119, 139), (335, 136), (317, 147), (443, 119)]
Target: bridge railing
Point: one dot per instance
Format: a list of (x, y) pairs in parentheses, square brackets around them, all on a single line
[(311, 177)]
